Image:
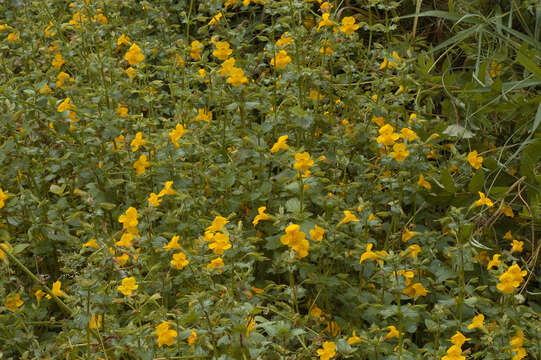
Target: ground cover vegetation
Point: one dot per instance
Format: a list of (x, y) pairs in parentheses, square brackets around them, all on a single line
[(291, 179)]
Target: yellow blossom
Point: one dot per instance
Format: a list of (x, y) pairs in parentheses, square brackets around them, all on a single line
[(475, 161), (123, 40), (280, 59), (166, 335), (121, 110), (415, 290), (327, 351), (141, 164), (399, 152), (179, 260), (393, 332), (222, 51), (348, 217), (408, 235), (220, 243), (45, 90), (203, 115), (154, 200), (236, 77), (354, 339), (324, 21), (167, 189), (387, 135), (458, 339), (295, 239), (227, 66), (303, 161), (14, 302), (380, 121), (134, 55), (478, 322), (483, 200), (215, 19), (39, 294), (454, 353), (217, 224), (131, 72), (317, 233), (95, 321), (129, 285), (126, 240), (137, 142), (216, 263), (348, 25), (422, 182), (494, 262), (173, 244), (516, 246), (12, 37), (195, 50), (56, 288), (3, 197), (511, 279), (280, 144), (414, 250), (285, 40), (192, 338), (58, 61), (408, 134), (260, 215)]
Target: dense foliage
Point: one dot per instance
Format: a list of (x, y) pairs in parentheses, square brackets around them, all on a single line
[(262, 179)]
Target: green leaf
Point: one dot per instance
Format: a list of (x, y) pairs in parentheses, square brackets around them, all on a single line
[(447, 181), (477, 181), (526, 60), (58, 190)]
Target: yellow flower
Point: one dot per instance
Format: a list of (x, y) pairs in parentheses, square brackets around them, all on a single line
[(454, 353), (280, 59), (220, 243), (494, 262), (285, 40), (126, 240), (56, 288), (380, 121), (387, 135), (316, 311), (122, 259), (167, 189), (372, 255), (317, 233), (58, 61), (478, 322), (203, 115), (414, 250), (348, 217), (408, 235), (520, 353), (121, 110), (261, 216), (475, 161), (295, 239), (517, 246), (511, 279), (508, 235), (100, 18), (236, 77), (195, 50), (280, 144), (517, 341), (303, 161), (123, 40), (348, 25), (507, 211), (215, 19), (131, 72), (137, 141), (227, 66), (95, 321), (393, 332), (327, 351), (399, 152), (39, 294), (222, 51), (62, 78), (173, 244), (458, 339), (65, 106), (12, 38), (154, 200), (354, 339), (179, 260), (166, 336), (325, 7), (129, 284), (422, 182), (45, 90), (129, 219), (134, 55), (176, 134), (3, 198), (49, 32), (483, 200), (192, 338), (13, 302), (216, 263), (217, 224), (408, 134), (141, 164), (495, 70), (415, 290), (324, 21)]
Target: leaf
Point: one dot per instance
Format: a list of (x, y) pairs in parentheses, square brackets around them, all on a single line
[(293, 205), (458, 131), (58, 190), (477, 181), (447, 181), (537, 119), (526, 60)]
